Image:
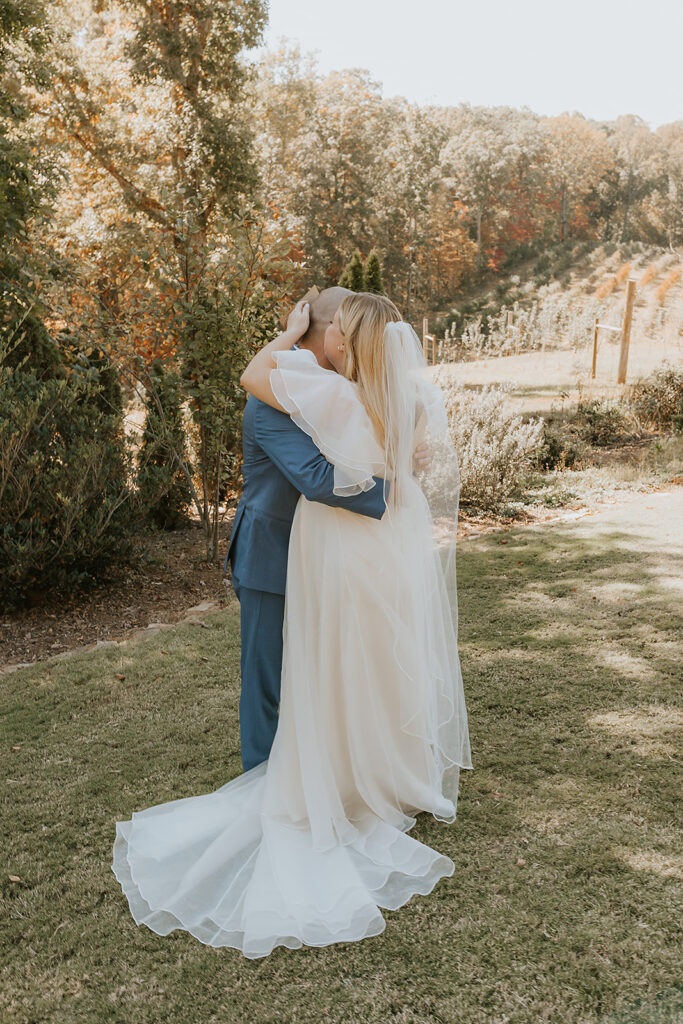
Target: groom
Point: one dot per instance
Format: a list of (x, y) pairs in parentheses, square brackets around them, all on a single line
[(280, 463)]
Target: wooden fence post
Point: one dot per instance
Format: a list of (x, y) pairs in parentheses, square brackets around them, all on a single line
[(425, 333), (626, 330), (595, 348)]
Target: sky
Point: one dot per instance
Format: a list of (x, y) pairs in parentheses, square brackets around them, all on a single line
[(599, 57)]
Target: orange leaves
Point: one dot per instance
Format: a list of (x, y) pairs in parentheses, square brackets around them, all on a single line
[(623, 273), (669, 281)]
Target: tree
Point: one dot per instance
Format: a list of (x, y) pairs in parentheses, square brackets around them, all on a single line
[(177, 239), (578, 157), (668, 202), (26, 178), (407, 178), (337, 158), (373, 275), (176, 143), (636, 162), (490, 150), (354, 274)]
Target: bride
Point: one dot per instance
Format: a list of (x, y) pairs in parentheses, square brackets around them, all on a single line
[(306, 847)]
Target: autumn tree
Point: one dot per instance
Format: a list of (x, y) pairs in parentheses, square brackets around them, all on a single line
[(167, 128), (169, 229), (667, 203), (578, 156), (332, 202), (636, 162), (478, 163)]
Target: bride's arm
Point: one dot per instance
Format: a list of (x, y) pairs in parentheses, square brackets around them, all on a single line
[(256, 377)]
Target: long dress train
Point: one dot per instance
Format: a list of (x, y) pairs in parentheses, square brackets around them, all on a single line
[(309, 846)]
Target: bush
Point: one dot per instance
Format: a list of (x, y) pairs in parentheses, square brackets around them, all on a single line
[(163, 489), (561, 447), (602, 420), (495, 446), (65, 502), (657, 401)]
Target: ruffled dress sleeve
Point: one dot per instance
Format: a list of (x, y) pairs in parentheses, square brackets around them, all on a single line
[(327, 407)]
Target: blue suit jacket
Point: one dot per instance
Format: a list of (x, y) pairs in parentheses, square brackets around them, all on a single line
[(280, 463)]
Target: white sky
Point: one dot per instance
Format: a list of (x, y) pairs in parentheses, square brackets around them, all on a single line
[(600, 57)]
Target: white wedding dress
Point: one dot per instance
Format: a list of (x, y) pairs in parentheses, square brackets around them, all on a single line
[(307, 847)]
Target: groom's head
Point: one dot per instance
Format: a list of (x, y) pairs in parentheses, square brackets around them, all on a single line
[(322, 310)]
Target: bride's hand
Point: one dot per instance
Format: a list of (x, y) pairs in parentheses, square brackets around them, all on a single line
[(256, 376), (299, 319), (422, 458)]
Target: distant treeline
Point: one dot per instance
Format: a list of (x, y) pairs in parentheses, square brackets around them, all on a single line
[(151, 160)]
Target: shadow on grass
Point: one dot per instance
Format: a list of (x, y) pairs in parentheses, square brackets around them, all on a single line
[(565, 850)]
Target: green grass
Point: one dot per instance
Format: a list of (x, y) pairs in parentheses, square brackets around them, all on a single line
[(569, 660)]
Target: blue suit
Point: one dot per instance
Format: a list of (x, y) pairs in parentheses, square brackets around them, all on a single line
[(280, 463)]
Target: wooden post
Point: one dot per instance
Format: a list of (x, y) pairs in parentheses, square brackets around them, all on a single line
[(433, 350), (595, 348), (626, 330), (425, 332)]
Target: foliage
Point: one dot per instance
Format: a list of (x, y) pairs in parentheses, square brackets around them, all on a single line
[(363, 277), (373, 275), (65, 503), (602, 421), (495, 447), (578, 157), (657, 401), (164, 492), (175, 260), (451, 194), (233, 310), (554, 318), (561, 446), (354, 274)]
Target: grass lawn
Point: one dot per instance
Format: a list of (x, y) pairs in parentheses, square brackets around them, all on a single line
[(562, 905)]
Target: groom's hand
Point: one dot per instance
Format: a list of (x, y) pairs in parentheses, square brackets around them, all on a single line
[(299, 319), (422, 458)]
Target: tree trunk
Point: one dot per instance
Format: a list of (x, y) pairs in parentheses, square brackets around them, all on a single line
[(627, 205)]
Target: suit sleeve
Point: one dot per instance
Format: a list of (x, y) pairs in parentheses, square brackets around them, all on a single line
[(296, 456)]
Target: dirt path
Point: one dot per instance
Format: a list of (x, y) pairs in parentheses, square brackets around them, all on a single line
[(543, 379), (649, 522)]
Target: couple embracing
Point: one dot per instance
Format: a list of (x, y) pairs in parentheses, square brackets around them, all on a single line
[(352, 712)]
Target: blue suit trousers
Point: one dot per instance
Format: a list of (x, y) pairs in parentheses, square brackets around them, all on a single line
[(262, 617)]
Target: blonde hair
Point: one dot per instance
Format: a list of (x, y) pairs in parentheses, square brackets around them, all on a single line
[(362, 319)]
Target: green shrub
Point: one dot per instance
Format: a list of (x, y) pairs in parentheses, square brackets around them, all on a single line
[(657, 401), (542, 264), (561, 447), (163, 488), (602, 421), (65, 503)]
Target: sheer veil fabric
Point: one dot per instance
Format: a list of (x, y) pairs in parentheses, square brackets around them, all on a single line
[(309, 846)]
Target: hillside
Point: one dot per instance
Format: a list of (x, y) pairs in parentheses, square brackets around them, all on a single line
[(546, 352)]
